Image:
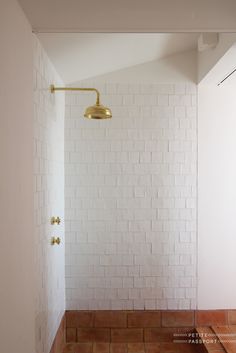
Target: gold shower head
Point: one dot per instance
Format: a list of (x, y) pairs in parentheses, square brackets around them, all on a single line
[(96, 111)]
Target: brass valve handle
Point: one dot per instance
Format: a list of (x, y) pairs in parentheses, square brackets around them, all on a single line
[(55, 220), (55, 240)]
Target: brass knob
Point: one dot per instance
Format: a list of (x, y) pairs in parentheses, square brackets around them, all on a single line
[(55, 220), (55, 240)]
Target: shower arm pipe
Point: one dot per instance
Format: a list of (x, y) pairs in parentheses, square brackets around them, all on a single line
[(53, 89)]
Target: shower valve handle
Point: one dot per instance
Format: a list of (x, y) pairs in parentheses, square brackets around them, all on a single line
[(55, 220), (55, 240)]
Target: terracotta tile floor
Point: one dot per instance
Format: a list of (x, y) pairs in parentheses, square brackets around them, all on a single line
[(130, 348)]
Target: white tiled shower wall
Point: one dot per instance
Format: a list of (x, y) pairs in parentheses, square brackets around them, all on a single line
[(48, 199), (131, 198)]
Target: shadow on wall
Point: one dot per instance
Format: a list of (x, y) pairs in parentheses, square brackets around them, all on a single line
[(181, 67), (184, 63)]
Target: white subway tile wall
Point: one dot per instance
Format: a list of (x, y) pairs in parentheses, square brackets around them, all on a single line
[(130, 192), (48, 200)]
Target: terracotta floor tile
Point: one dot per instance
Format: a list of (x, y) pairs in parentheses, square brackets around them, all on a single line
[(171, 348), (93, 335), (163, 334), (158, 335), (177, 318), (127, 335), (144, 319), (201, 333), (136, 348), (216, 351), (232, 317), (152, 348), (71, 318), (78, 348), (233, 328), (187, 348), (110, 319), (75, 318), (118, 348), (227, 337), (66, 348), (101, 347), (209, 338), (133, 348), (211, 317), (71, 334)]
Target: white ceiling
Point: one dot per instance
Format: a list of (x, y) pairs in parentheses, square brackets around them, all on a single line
[(78, 56), (131, 15)]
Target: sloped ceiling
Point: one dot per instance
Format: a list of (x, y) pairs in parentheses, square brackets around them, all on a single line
[(78, 56)]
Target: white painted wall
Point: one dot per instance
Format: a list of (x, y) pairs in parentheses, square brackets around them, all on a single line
[(17, 290), (48, 199), (217, 197), (131, 191), (31, 189)]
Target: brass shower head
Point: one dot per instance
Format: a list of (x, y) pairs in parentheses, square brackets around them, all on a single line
[(96, 111)]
